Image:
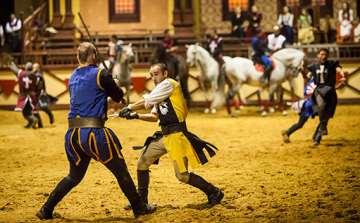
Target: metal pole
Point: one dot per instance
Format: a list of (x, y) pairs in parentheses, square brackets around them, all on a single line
[(92, 41)]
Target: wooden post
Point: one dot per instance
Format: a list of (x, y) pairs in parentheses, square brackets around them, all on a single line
[(56, 22), (69, 17), (177, 13), (22, 31)]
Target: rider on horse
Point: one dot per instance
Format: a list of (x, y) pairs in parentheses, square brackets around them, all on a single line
[(171, 46), (215, 46), (259, 57), (114, 50)]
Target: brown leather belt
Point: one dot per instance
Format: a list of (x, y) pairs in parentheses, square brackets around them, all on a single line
[(86, 123), (178, 127), (27, 93)]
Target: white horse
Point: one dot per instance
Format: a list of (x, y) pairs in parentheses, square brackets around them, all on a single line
[(242, 70), (208, 71), (121, 70)]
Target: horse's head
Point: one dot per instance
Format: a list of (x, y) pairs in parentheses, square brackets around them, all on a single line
[(126, 53), (291, 58), (158, 54), (191, 54)]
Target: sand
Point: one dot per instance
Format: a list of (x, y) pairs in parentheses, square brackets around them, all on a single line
[(264, 179)]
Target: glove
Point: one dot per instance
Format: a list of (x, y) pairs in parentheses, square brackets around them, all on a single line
[(125, 111), (132, 115)]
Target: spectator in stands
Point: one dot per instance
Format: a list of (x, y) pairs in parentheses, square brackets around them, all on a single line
[(13, 30), (215, 46), (171, 45), (305, 33), (237, 22), (276, 41), (285, 22), (2, 38), (111, 45), (254, 18), (345, 31), (357, 33)]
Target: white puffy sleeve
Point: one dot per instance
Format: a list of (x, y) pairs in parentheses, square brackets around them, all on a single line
[(160, 93)]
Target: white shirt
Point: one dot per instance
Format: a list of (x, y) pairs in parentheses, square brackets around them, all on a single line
[(15, 27), (275, 42), (162, 91), (286, 20), (2, 39), (350, 17)]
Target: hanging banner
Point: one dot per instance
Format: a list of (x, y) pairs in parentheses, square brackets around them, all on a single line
[(139, 83), (7, 86)]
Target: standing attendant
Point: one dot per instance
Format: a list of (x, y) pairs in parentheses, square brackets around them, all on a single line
[(2, 38), (14, 36), (89, 89), (324, 98), (168, 105)]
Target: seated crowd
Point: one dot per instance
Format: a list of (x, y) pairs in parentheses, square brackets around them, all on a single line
[(245, 23)]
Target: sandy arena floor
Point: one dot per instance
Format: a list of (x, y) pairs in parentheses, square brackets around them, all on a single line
[(264, 180)]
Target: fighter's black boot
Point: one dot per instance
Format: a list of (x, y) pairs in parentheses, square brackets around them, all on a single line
[(45, 213), (140, 208), (48, 112), (40, 125), (143, 185), (32, 122), (215, 195)]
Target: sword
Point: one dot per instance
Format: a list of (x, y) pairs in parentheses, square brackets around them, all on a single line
[(97, 51)]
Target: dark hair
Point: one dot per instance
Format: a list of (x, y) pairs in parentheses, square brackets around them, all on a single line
[(323, 49), (257, 30), (166, 31), (162, 66), (347, 7), (113, 37)]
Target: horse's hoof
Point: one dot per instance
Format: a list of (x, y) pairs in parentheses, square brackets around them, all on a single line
[(237, 111), (271, 110), (285, 113), (213, 111), (206, 111), (241, 107), (264, 114), (261, 108)]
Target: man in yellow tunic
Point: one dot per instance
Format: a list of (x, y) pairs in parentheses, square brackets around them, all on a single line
[(183, 147)]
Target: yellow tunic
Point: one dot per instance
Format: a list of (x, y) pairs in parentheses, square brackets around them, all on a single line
[(171, 111)]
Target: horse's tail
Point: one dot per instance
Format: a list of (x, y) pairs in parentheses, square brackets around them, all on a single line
[(219, 96)]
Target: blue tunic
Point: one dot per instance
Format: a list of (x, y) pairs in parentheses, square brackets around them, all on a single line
[(89, 99), (308, 91), (259, 48)]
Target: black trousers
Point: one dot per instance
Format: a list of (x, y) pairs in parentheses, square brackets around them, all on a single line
[(117, 166), (300, 123)]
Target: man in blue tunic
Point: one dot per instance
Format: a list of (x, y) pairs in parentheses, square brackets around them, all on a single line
[(87, 136), (260, 57)]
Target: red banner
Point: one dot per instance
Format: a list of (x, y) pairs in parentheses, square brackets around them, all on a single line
[(7, 86), (139, 83), (67, 83)]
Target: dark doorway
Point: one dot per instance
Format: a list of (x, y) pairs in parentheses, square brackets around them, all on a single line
[(7, 7)]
